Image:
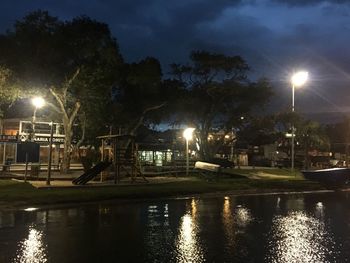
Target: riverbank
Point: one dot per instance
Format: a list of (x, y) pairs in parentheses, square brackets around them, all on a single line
[(17, 194)]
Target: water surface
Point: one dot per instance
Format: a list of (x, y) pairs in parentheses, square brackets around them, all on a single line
[(274, 228)]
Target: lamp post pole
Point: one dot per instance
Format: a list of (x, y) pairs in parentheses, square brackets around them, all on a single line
[(50, 156), (292, 150), (298, 79), (188, 136), (38, 103), (33, 123), (187, 158), (34, 115)]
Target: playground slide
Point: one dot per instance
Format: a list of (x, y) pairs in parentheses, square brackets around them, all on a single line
[(91, 173)]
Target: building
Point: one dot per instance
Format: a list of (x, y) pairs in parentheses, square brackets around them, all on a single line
[(15, 131)]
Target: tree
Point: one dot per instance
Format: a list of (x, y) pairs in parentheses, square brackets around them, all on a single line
[(76, 62), (33, 51), (258, 130), (339, 136), (217, 93), (68, 109), (9, 93), (142, 97), (97, 59), (309, 135)]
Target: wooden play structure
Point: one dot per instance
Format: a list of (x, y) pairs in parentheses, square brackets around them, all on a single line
[(123, 154), (120, 152)]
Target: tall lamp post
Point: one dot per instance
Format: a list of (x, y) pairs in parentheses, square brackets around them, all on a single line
[(188, 133), (48, 179), (298, 79), (38, 102)]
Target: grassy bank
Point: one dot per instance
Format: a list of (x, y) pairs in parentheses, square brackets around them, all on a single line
[(13, 193), (268, 173)]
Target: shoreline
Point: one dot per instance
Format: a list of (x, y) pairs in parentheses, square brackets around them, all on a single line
[(16, 195), (20, 205)]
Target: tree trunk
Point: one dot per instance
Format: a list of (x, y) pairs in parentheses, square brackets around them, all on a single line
[(68, 117), (67, 147), (1, 126), (204, 145)]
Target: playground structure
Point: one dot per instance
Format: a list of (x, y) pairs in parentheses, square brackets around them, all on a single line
[(121, 154), (91, 173)]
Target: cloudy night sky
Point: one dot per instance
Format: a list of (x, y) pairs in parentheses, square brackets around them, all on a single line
[(275, 37)]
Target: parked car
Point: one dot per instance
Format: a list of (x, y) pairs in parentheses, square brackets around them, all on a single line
[(286, 163), (222, 162)]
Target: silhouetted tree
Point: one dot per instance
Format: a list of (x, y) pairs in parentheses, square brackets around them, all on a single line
[(309, 135), (74, 63), (142, 97), (217, 93), (9, 93)]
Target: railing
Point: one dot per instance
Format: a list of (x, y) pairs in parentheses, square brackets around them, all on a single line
[(40, 128), (43, 167)]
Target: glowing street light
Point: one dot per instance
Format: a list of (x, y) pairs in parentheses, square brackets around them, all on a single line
[(38, 102), (188, 135), (298, 79)]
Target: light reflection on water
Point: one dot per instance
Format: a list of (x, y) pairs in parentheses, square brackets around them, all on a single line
[(275, 229), (319, 210), (299, 237), (243, 216), (187, 243), (158, 234), (32, 249), (228, 223)]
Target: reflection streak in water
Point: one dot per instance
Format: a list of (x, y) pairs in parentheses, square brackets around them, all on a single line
[(32, 249), (194, 207), (319, 210), (243, 215), (159, 235), (278, 207), (299, 238), (187, 245), (228, 223)]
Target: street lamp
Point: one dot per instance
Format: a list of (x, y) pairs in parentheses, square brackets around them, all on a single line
[(38, 102), (188, 134), (48, 179), (298, 79)]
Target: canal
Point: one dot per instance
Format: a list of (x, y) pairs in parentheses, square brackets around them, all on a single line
[(262, 228)]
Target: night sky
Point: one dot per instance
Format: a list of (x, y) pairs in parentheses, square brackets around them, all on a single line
[(276, 37)]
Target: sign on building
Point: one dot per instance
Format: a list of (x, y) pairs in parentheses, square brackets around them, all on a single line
[(40, 132), (28, 152)]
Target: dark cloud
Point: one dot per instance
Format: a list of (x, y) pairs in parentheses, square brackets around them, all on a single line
[(157, 24), (310, 2), (274, 36)]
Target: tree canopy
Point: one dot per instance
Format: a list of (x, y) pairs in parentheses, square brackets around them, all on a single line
[(74, 64), (217, 93), (9, 91), (143, 96)]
